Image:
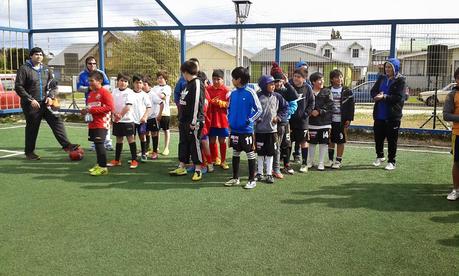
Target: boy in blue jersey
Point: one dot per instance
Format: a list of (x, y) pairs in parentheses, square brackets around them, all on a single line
[(243, 110)]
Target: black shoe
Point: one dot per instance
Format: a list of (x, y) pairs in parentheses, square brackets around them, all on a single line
[(71, 147), (32, 156), (269, 179)]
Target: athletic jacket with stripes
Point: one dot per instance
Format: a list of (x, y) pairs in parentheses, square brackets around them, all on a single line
[(243, 110), (192, 103)]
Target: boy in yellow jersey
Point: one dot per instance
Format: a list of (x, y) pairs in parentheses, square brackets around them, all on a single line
[(451, 113)]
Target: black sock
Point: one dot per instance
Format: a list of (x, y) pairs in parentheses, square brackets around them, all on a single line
[(143, 146), (147, 143), (118, 149), (297, 149), (101, 155), (133, 149), (287, 157), (339, 159), (331, 154), (304, 155), (155, 140), (252, 169), (235, 162)]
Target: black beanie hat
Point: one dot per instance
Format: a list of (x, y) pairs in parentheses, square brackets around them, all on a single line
[(218, 73)]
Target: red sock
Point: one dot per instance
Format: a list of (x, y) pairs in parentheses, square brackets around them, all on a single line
[(223, 151), (204, 157), (213, 151)]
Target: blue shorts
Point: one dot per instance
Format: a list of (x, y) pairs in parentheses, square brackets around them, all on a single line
[(204, 137), (141, 128), (220, 132)]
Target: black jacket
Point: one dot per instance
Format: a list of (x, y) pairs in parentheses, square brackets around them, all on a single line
[(35, 84), (192, 103), (300, 119), (395, 97), (347, 104), (323, 103)]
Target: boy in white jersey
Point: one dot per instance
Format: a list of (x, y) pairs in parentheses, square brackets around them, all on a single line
[(141, 108), (154, 118), (164, 91), (123, 120), (343, 114)]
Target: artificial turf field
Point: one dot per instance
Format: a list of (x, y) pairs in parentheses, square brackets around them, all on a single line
[(55, 219)]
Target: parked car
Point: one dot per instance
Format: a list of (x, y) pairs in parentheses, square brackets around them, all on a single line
[(362, 92), (8, 97), (428, 97)]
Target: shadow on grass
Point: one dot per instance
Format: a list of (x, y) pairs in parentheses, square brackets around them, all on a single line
[(453, 219), (406, 197)]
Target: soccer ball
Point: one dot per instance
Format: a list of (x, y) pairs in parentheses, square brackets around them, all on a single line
[(77, 154)]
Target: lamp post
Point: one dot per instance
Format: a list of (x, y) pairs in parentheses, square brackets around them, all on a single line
[(242, 8)]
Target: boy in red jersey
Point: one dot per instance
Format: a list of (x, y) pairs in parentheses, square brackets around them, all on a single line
[(98, 112), (218, 109)]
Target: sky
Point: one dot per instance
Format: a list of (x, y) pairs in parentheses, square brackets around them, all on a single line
[(83, 13)]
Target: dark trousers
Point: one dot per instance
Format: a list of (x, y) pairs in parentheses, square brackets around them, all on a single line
[(189, 144), (389, 130), (33, 120)]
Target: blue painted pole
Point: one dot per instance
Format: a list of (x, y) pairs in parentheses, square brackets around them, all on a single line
[(30, 23), (100, 32), (393, 37), (182, 46), (278, 45)]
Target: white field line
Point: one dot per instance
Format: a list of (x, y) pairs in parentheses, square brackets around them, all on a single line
[(11, 127), (12, 153)]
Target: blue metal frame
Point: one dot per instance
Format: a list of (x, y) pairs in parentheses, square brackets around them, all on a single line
[(393, 37), (30, 23), (278, 45), (166, 9), (100, 33), (182, 46)]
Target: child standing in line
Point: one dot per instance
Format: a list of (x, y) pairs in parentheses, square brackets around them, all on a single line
[(164, 91), (274, 111), (141, 108), (207, 165), (100, 106), (343, 114), (319, 120), (123, 121), (154, 117), (243, 110)]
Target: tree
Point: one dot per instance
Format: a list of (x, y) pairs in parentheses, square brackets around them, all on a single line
[(335, 35)]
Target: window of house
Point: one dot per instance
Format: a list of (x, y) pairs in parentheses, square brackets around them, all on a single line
[(413, 68), (355, 53), (456, 65), (109, 52), (327, 53)]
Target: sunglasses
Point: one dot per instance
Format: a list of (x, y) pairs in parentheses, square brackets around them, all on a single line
[(92, 63)]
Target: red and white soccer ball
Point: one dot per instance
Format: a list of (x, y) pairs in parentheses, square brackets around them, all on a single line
[(77, 154)]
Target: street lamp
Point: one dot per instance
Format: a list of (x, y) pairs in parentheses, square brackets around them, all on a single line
[(242, 8)]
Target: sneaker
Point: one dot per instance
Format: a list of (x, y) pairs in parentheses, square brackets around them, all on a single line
[(32, 156), (154, 156), (134, 164), (258, 177), (165, 152), (309, 165), (210, 168), (179, 171), (378, 161), (287, 170), (304, 169), (217, 162), (114, 163), (250, 185), (297, 159), (278, 175), (224, 165), (93, 168), (328, 164), (232, 182), (390, 166), (453, 195), (109, 147), (143, 158), (321, 166), (190, 168), (197, 176), (99, 171), (269, 179), (92, 147), (336, 165)]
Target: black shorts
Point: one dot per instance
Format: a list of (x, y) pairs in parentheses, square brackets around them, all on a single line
[(266, 143), (455, 147), (123, 129), (164, 123), (141, 128), (338, 136), (299, 135), (152, 125), (241, 142), (319, 136), (97, 135)]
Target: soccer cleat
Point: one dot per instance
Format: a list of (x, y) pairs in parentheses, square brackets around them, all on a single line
[(99, 171), (321, 166), (250, 185), (32, 156), (224, 165), (232, 182), (114, 163), (278, 175), (190, 168), (204, 170), (303, 169), (154, 156), (390, 166), (93, 168), (165, 152), (109, 147), (217, 162), (258, 177), (336, 165), (329, 164), (143, 158), (210, 168), (269, 179), (297, 159), (378, 161), (453, 195), (288, 170), (179, 171), (197, 176), (134, 164)]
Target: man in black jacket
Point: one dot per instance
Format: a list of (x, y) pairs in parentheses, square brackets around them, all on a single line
[(37, 89)]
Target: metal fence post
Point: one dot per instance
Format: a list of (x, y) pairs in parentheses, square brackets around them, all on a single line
[(182, 45), (30, 23), (393, 37), (100, 32), (278, 45)]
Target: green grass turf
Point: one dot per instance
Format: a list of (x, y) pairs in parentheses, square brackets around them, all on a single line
[(55, 219)]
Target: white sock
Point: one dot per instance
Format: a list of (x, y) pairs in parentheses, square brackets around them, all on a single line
[(323, 149), (261, 161), (311, 152), (269, 165)]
